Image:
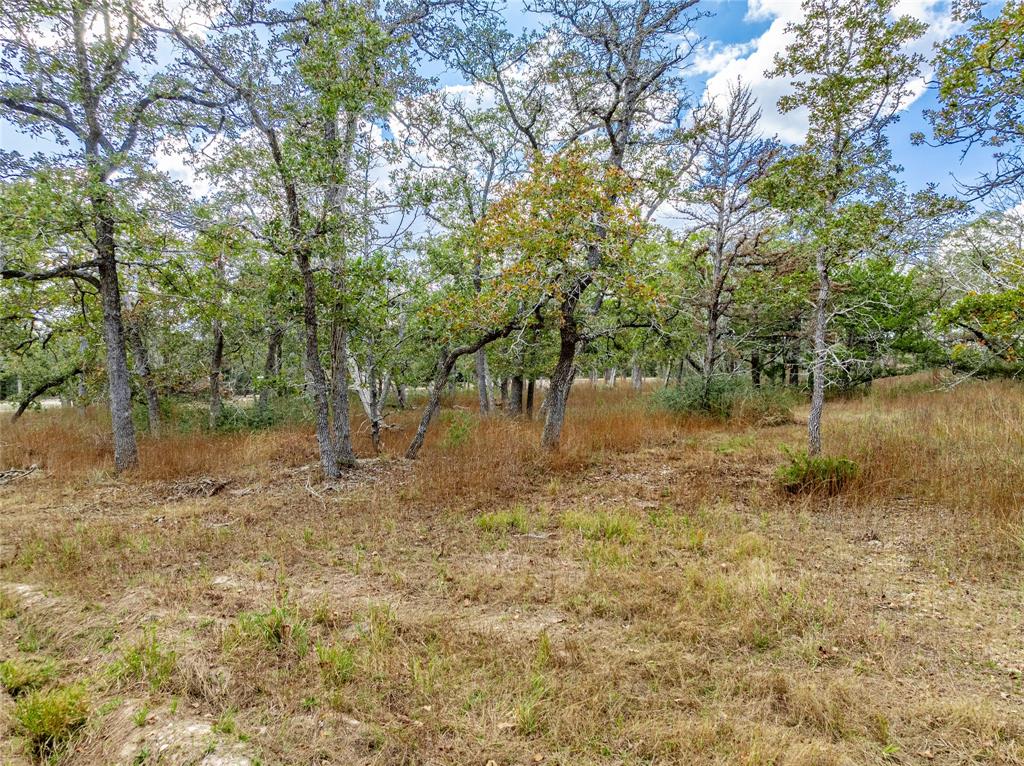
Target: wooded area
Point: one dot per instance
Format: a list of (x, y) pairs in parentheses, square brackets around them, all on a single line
[(323, 321)]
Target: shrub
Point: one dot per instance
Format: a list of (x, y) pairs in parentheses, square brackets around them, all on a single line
[(48, 719), (819, 474), (20, 676), (728, 396)]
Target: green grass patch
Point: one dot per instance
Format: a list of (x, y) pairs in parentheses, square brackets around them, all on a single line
[(48, 719), (500, 522), (600, 525), (20, 676)]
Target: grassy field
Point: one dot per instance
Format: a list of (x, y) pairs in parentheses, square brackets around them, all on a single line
[(646, 596)]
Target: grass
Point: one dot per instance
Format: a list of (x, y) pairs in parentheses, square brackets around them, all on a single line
[(646, 595), (18, 676), (48, 719)]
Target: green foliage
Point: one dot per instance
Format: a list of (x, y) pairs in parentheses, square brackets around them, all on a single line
[(728, 396), (816, 475), (460, 426), (19, 676), (48, 719)]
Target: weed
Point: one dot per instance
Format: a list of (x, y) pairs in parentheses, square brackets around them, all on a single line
[(140, 716), (337, 663), (278, 628)]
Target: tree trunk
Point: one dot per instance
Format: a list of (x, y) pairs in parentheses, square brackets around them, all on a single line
[(514, 407), (755, 368), (400, 395), (561, 383), (444, 369), (315, 371), (791, 375), (126, 451), (145, 373), (272, 365), (530, 386), (820, 353), (339, 392), (216, 363), (482, 383), (637, 377)]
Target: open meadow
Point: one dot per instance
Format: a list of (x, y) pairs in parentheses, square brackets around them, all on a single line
[(648, 595)]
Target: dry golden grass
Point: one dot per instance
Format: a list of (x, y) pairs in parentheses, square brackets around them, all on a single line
[(961, 448), (644, 597)]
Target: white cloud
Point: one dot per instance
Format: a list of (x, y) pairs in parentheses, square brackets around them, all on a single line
[(750, 60)]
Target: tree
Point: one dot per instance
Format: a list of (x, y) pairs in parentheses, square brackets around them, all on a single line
[(980, 75), (850, 70), (727, 217), (89, 86)]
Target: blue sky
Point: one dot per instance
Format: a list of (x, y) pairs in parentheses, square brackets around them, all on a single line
[(739, 41)]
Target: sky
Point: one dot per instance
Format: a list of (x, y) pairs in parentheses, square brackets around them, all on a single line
[(740, 41)]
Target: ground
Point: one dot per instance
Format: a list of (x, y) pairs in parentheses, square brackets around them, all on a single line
[(663, 603)]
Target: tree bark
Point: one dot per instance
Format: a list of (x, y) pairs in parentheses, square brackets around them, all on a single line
[(126, 451), (561, 383), (514, 407), (530, 386), (339, 392), (755, 368), (142, 368), (482, 382), (216, 364), (637, 377)]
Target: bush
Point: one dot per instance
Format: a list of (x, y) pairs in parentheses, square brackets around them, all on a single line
[(728, 396), (819, 474), (49, 718)]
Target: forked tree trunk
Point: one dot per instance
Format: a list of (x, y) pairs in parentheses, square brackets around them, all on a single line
[(820, 352), (315, 371), (145, 373)]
